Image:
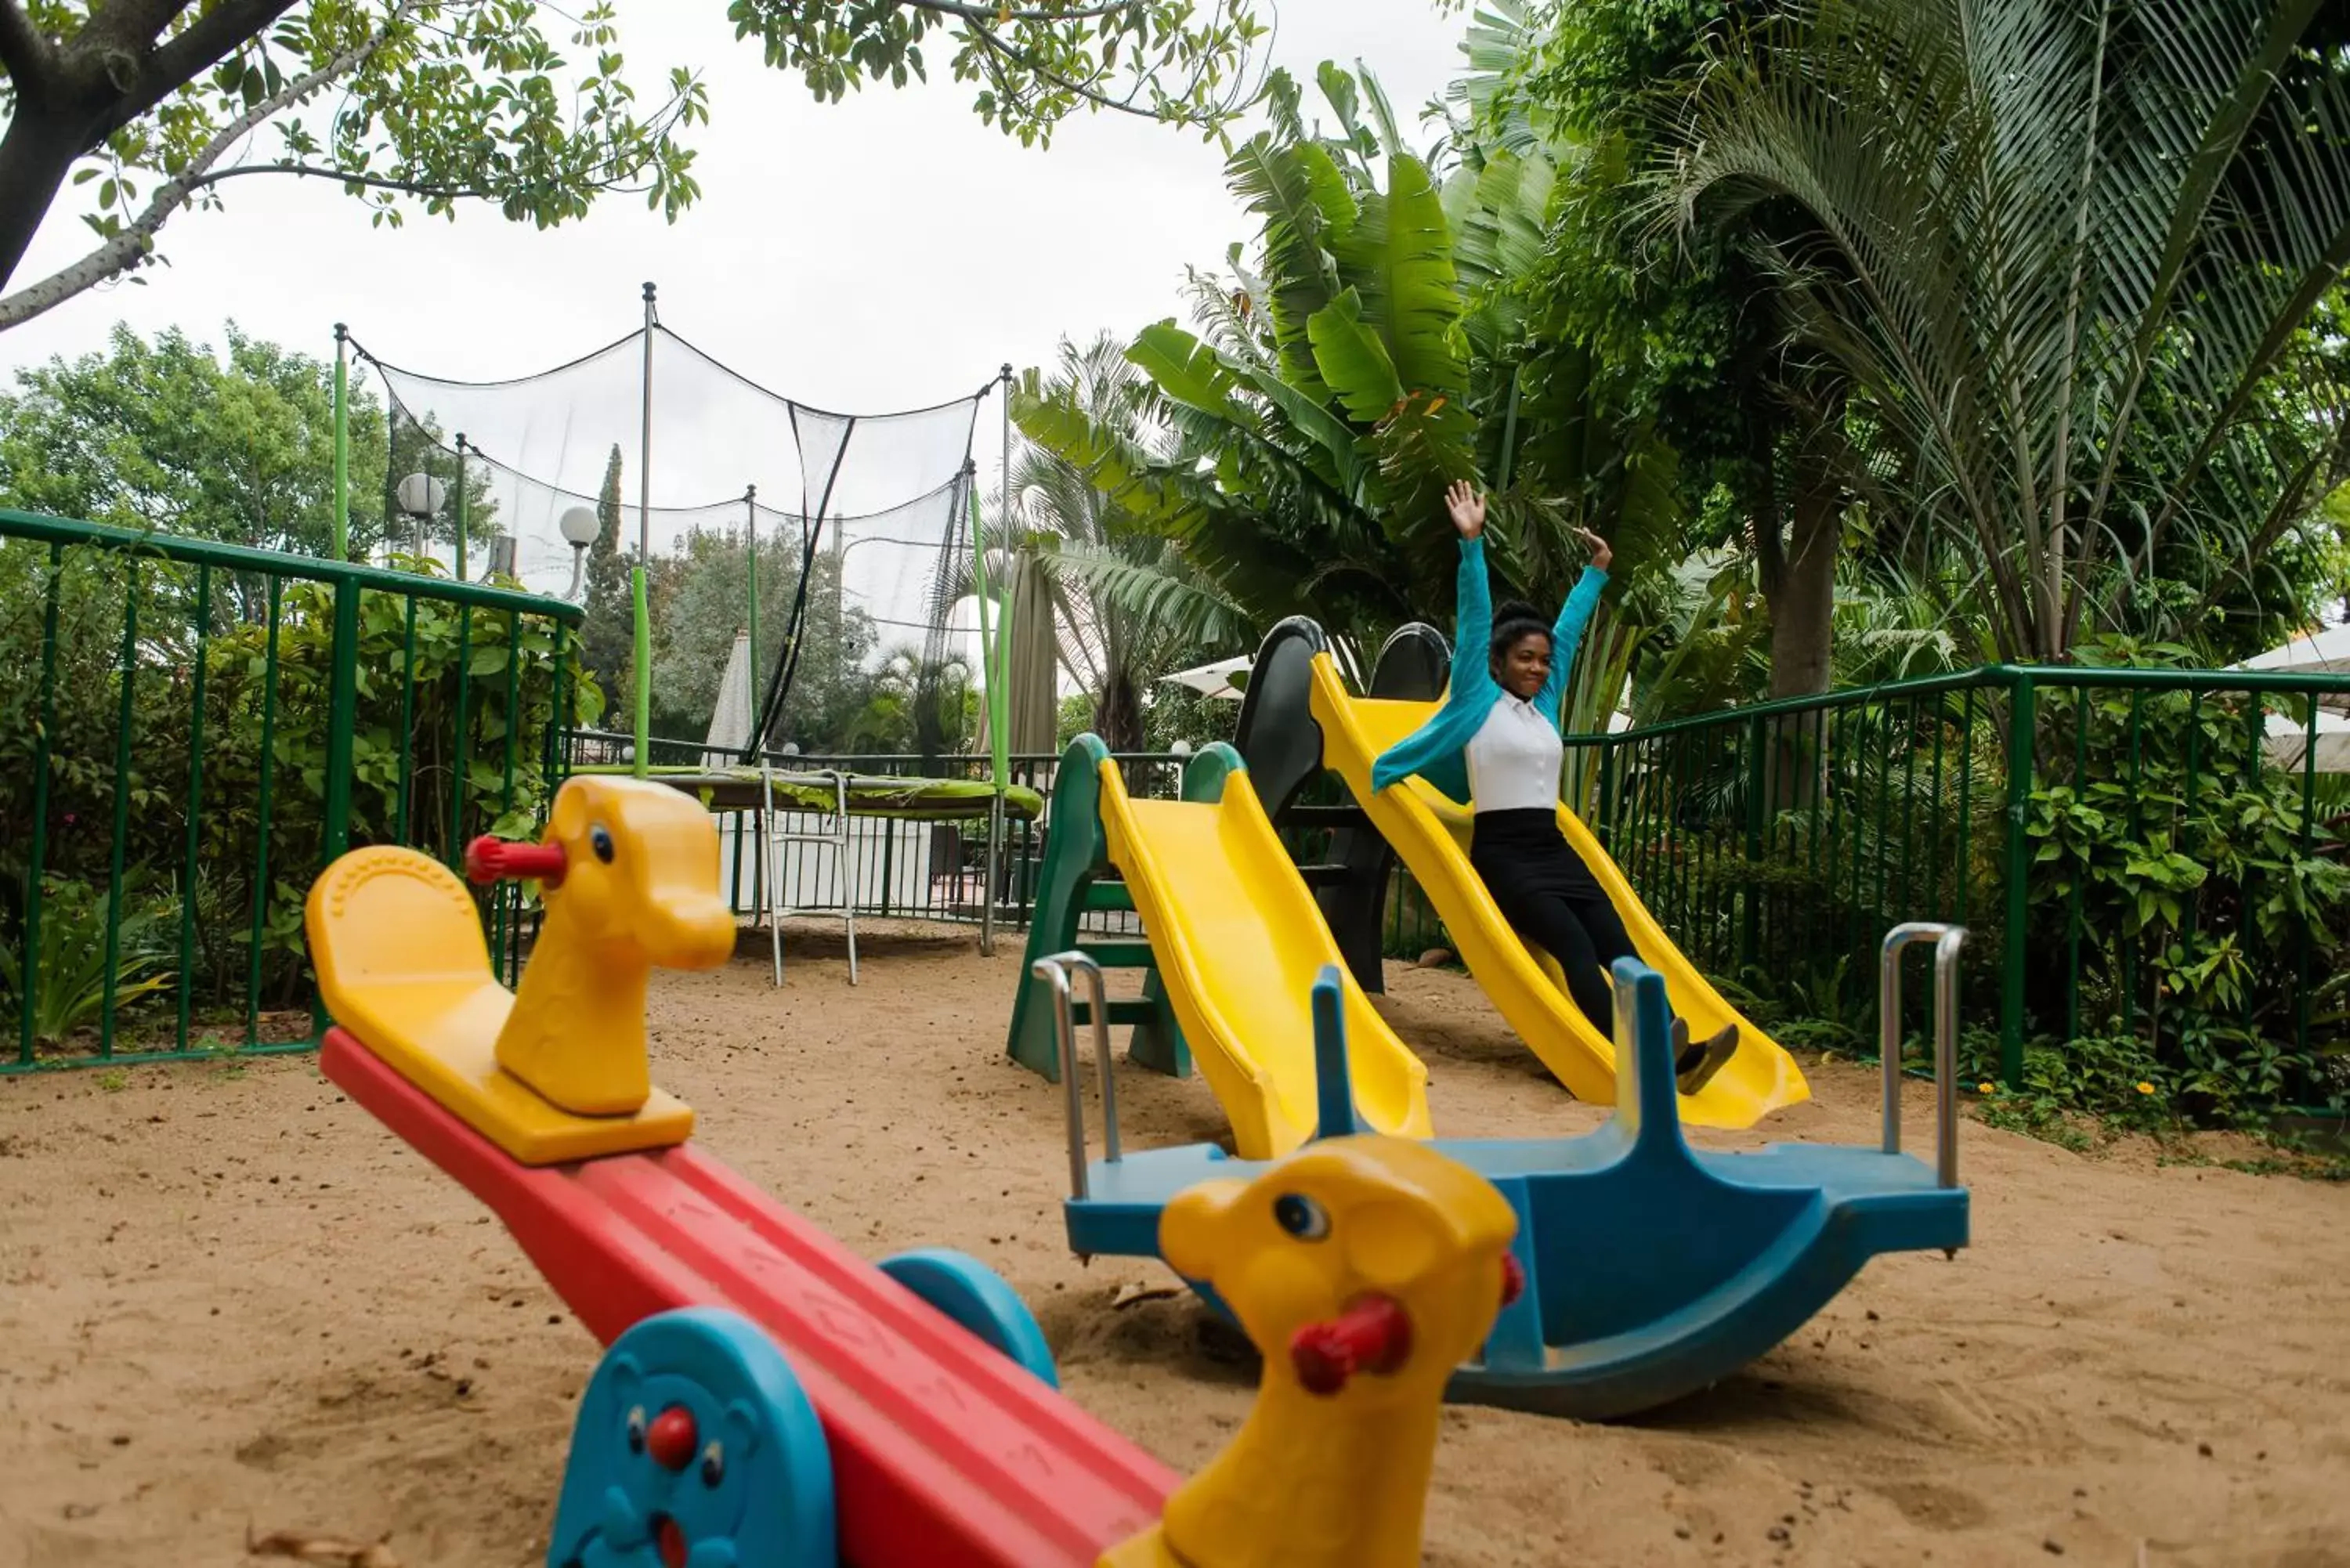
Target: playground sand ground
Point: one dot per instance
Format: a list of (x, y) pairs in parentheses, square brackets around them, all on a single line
[(230, 1301)]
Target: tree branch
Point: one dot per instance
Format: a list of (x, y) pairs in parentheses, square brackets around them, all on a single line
[(125, 248), (991, 14), (979, 20), (25, 55), (342, 177), (205, 42)]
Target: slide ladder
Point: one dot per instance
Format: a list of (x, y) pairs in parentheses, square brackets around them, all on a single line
[(1233, 940)]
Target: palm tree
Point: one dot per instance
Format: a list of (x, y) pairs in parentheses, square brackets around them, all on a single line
[(2067, 252), (1130, 606), (1365, 351)]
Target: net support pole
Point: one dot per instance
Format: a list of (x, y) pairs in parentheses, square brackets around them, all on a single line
[(644, 628), (342, 442), (999, 697), (461, 507), (993, 695), (751, 540)]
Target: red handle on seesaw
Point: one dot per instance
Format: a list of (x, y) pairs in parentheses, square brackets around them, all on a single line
[(491, 859)]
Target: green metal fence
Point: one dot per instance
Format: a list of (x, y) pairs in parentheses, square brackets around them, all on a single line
[(2149, 862), (193, 730)]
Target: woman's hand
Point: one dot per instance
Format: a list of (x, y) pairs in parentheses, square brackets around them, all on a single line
[(1600, 554), (1468, 508)]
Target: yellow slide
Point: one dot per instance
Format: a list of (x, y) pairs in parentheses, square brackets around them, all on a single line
[(1430, 833), (1239, 943)]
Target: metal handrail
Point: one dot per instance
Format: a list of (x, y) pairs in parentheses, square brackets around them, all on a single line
[(1947, 940), (1053, 971), (163, 547)]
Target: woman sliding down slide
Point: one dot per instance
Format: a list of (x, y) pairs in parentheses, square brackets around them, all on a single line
[(1509, 674)]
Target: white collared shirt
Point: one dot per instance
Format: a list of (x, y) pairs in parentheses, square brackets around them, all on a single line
[(1515, 759)]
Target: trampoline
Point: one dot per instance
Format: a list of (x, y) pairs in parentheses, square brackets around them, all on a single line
[(870, 794)]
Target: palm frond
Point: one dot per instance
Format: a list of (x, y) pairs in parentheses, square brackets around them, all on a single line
[(2065, 251)]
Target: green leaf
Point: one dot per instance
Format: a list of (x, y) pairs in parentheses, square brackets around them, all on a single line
[(1353, 361), (1302, 197), (1183, 367)]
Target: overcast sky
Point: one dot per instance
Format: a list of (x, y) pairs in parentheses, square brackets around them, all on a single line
[(886, 251)]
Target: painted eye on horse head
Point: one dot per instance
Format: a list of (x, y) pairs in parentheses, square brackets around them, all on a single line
[(1301, 1216)]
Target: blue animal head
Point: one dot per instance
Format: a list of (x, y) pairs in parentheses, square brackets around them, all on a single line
[(694, 1448)]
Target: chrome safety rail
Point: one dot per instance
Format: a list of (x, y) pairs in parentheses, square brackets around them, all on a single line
[(1947, 940), (1055, 970)]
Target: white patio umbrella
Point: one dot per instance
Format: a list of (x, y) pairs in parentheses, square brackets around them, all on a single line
[(2288, 739), (730, 721), (2320, 652), (1226, 678)]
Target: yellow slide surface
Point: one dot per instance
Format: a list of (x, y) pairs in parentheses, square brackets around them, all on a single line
[(1430, 833), (1240, 943)]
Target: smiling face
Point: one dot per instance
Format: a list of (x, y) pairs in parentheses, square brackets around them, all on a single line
[(1524, 665), (694, 1446)]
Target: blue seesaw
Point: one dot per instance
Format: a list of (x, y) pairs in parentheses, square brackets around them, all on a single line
[(1653, 1270)]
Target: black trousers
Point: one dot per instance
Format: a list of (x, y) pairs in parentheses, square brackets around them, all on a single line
[(1551, 901)]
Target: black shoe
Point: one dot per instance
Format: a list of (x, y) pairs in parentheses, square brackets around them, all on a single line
[(1694, 1066)]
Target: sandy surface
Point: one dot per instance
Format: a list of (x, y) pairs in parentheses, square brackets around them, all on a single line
[(228, 1299)]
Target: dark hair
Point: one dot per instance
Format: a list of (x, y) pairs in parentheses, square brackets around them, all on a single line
[(1512, 622)]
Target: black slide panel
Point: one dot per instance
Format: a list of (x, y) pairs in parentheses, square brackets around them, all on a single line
[(1282, 747)]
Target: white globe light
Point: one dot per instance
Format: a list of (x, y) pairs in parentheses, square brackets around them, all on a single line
[(1181, 748), (420, 493), (580, 525)]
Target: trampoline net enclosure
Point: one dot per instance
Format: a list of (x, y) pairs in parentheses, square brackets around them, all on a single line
[(873, 511)]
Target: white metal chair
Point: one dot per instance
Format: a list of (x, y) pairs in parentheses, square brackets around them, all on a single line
[(834, 837)]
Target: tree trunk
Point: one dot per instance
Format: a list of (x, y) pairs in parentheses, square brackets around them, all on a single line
[(35, 156), (1802, 596), (1118, 712), (1803, 600)]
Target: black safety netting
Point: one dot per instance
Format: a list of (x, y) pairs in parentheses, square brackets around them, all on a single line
[(837, 545)]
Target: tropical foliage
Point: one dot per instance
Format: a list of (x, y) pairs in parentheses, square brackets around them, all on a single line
[(1128, 604), (2071, 258), (237, 447), (1364, 351)]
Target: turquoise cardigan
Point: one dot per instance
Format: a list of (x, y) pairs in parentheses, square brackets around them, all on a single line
[(1437, 750)]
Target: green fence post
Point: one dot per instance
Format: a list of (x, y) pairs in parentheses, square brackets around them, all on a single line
[(342, 718), (43, 726), (1604, 825), (187, 984), (342, 443), (342, 726), (124, 726), (461, 507), (1758, 780), (2021, 722)]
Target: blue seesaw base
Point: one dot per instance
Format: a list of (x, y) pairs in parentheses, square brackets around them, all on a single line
[(1653, 1270), (977, 1299), (754, 1484)]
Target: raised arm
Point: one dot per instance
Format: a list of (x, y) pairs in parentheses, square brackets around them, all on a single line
[(1473, 592), (1567, 634), (1573, 619), (1472, 618)]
